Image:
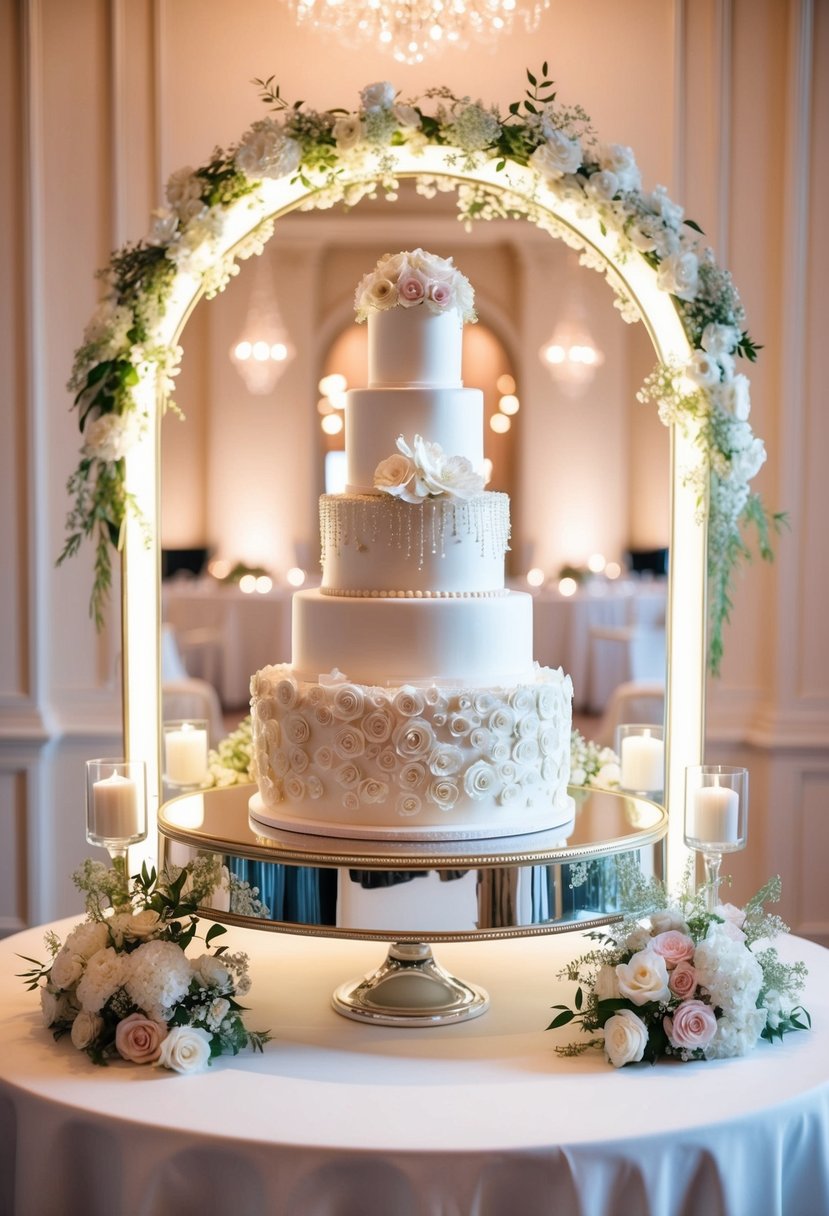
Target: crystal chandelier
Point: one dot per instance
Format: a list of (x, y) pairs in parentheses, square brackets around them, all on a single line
[(413, 29), (263, 349)]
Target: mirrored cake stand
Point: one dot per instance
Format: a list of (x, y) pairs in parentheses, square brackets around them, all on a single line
[(411, 893)]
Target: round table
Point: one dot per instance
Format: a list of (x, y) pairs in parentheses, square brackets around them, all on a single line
[(482, 1118)]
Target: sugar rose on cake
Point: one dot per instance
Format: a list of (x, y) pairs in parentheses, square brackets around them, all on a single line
[(412, 707)]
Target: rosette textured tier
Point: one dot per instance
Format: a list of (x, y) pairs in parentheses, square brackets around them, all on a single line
[(412, 706)]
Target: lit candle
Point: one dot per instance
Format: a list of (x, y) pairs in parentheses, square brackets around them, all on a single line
[(642, 763), (115, 808), (715, 815), (185, 754)]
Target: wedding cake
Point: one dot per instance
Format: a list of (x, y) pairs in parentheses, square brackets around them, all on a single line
[(412, 707)]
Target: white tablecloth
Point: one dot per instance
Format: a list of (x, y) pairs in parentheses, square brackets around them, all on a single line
[(478, 1119), (248, 631), (567, 633)]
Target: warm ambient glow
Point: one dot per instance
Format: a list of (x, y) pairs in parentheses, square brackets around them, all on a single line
[(500, 424), (612, 570), (335, 383), (295, 576), (219, 568), (687, 602), (264, 584), (509, 404), (596, 563), (505, 384), (332, 424), (247, 583), (567, 586), (535, 577), (487, 470)]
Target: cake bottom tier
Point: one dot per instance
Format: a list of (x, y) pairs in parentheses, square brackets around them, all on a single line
[(415, 762)]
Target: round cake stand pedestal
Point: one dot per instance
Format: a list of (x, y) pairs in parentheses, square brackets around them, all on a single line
[(412, 893), (410, 989)]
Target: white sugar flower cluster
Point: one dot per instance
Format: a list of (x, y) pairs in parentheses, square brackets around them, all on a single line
[(423, 470), (415, 278)]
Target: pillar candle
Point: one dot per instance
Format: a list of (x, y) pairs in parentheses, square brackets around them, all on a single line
[(715, 815), (185, 753), (115, 808), (642, 763)]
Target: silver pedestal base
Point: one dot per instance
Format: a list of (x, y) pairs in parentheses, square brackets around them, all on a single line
[(410, 989)]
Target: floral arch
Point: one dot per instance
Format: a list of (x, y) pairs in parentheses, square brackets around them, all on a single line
[(540, 163)]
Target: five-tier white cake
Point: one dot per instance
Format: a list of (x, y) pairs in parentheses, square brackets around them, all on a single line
[(412, 707)]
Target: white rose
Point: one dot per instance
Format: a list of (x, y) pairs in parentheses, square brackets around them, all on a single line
[(347, 132), (210, 973), (619, 160), (558, 155), (719, 339), (141, 926), (456, 478), (703, 369), (625, 1038), (67, 969), (393, 473), (54, 1006), (608, 776), (186, 1049), (678, 274), (379, 96), (665, 921), (407, 116), (85, 1029), (737, 397), (644, 978), (602, 185), (747, 463)]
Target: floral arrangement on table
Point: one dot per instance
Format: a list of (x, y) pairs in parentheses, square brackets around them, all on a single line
[(591, 765), (342, 156), (423, 470), (414, 279), (680, 980), (122, 985)]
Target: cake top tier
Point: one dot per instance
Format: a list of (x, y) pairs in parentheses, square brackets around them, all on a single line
[(415, 279), (416, 305)]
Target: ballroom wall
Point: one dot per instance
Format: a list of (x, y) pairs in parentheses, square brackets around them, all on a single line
[(724, 102)]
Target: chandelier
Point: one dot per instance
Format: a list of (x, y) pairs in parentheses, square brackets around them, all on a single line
[(263, 349), (571, 356), (413, 29)]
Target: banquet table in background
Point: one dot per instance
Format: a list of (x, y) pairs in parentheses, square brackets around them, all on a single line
[(603, 635), (476, 1119), (226, 634)]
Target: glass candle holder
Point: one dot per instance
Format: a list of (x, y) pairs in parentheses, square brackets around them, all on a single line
[(641, 750), (716, 817), (116, 808), (185, 752)]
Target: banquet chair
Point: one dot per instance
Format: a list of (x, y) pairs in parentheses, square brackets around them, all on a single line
[(634, 701), (620, 654), (185, 696)]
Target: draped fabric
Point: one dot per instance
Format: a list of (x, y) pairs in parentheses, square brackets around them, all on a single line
[(477, 1119)]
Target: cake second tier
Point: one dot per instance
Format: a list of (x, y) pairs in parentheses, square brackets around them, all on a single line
[(375, 545), (375, 417), (472, 641)]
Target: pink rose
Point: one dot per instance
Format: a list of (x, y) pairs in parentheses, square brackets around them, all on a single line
[(411, 290), (440, 294), (682, 980), (692, 1026), (139, 1038), (674, 947)]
